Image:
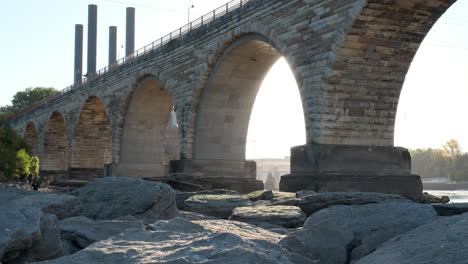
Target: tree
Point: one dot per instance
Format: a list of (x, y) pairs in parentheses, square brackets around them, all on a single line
[(34, 167), (10, 144), (23, 163), (30, 96)]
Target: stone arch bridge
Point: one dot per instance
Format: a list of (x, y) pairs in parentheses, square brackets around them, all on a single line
[(349, 58)]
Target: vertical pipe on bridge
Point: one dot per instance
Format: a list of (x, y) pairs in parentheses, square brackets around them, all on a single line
[(78, 71), (130, 32), (112, 44), (92, 38)]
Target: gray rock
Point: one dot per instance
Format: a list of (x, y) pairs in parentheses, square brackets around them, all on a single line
[(182, 196), (112, 197), (439, 242), (20, 228), (350, 232), (80, 232), (315, 202), (260, 195), (220, 206), (285, 216), (63, 206), (49, 246), (282, 196), (195, 243), (304, 193), (451, 209), (191, 216)]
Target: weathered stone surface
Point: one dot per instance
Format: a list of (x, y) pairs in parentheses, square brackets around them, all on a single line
[(180, 241), (20, 228), (282, 196), (191, 216), (182, 196), (451, 209), (286, 216), (439, 242), (80, 232), (63, 206), (112, 197), (340, 234), (313, 203), (429, 198), (260, 195), (49, 246), (220, 206)]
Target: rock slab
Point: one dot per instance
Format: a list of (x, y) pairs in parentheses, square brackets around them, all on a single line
[(285, 216), (220, 206)]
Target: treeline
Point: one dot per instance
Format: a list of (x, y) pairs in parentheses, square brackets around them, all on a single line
[(447, 162), (16, 160)]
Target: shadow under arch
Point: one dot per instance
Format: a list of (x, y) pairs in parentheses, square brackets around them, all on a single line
[(142, 144), (54, 158), (91, 143), (31, 138)]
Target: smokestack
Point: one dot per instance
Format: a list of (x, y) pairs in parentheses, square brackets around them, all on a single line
[(130, 32), (92, 38), (112, 44), (78, 72)]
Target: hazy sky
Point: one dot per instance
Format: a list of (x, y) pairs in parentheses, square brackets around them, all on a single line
[(37, 46)]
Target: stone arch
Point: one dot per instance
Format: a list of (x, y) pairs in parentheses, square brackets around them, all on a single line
[(143, 136), (31, 138), (367, 76), (91, 142), (55, 150), (226, 101)]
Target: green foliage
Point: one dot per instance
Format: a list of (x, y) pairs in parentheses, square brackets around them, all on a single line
[(30, 96), (23, 163), (34, 169), (448, 162), (10, 144)]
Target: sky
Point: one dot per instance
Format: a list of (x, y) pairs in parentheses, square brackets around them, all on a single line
[(38, 45)]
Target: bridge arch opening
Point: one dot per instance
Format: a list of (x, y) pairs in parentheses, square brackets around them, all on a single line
[(150, 132), (91, 144), (31, 138), (55, 153), (225, 105)]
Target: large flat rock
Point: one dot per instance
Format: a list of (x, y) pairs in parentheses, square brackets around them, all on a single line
[(181, 241), (112, 197), (439, 242), (285, 216), (220, 206)]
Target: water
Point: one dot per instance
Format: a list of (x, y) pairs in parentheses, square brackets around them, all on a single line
[(458, 196)]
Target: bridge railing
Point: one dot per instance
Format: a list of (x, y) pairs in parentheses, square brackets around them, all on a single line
[(203, 20)]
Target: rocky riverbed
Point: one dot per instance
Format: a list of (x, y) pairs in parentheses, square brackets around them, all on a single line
[(123, 220)]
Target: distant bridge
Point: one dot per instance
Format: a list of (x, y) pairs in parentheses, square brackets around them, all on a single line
[(349, 58)]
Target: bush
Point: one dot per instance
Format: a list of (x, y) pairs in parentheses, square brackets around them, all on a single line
[(10, 146)]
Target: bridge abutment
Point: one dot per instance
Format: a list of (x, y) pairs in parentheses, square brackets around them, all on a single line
[(345, 168)]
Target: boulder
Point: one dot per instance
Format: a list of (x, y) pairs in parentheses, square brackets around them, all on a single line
[(340, 234), (282, 196), (260, 195), (48, 246), (220, 206), (112, 197), (304, 193), (182, 196), (63, 206), (191, 216), (80, 232), (285, 216), (20, 228), (429, 198), (181, 241), (451, 209), (315, 202), (439, 242)]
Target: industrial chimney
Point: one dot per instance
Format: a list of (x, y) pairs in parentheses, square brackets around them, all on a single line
[(130, 32), (78, 72), (112, 44), (92, 38)]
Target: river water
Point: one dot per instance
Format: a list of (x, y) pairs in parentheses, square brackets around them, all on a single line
[(458, 196)]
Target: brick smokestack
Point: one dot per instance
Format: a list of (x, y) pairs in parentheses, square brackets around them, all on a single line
[(130, 32), (92, 38), (112, 44), (78, 70)]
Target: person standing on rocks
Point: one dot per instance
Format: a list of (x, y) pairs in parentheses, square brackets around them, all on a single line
[(35, 185)]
